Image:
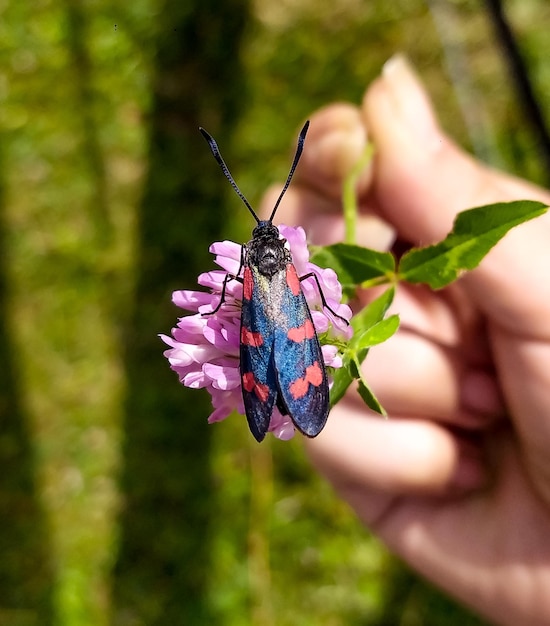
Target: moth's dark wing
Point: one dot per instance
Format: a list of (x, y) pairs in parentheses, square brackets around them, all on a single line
[(302, 383), (301, 375), (259, 388), (257, 368)]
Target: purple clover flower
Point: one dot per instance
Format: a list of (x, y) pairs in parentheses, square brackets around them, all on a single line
[(204, 349)]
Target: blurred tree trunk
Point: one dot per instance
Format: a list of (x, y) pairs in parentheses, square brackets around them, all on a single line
[(162, 565), (25, 564), (77, 38)]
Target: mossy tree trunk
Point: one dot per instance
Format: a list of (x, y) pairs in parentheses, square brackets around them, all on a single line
[(25, 561), (162, 566)]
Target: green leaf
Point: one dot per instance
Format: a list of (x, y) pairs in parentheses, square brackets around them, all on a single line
[(370, 328), (373, 312), (474, 233), (355, 368), (354, 264), (342, 380), (380, 332), (369, 398)]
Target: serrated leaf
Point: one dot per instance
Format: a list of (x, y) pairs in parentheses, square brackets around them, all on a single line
[(380, 332), (474, 233), (354, 264)]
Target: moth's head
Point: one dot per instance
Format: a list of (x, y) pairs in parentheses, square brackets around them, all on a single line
[(265, 230)]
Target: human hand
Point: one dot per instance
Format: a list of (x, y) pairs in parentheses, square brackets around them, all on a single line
[(457, 480)]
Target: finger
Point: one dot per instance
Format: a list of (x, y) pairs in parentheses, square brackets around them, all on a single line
[(467, 545), (394, 456), (434, 367), (416, 378), (335, 142), (423, 180), (321, 216)]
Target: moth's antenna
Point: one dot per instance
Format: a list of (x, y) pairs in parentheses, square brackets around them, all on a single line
[(299, 149), (216, 152)]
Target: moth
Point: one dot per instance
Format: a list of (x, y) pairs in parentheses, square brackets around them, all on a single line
[(281, 363)]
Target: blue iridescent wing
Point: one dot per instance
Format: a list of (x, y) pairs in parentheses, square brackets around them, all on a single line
[(281, 360), (301, 375), (257, 367)]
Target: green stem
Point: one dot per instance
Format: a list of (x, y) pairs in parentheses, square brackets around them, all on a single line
[(388, 279), (349, 196)]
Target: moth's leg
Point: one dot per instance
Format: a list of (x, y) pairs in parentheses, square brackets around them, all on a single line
[(227, 278), (323, 299)]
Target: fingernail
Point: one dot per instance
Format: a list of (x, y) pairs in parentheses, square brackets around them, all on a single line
[(411, 102)]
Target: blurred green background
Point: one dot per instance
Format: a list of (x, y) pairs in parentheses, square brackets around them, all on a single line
[(118, 504)]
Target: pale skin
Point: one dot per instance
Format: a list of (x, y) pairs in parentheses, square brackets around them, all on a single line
[(457, 480)]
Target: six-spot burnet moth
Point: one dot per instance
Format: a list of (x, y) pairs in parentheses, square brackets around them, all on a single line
[(281, 363)]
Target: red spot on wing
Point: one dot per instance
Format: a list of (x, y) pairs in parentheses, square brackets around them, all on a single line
[(262, 391), (249, 338), (248, 284), (305, 331), (292, 279), (298, 388), (314, 376), (251, 384)]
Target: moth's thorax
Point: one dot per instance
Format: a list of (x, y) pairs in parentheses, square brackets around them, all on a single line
[(266, 250)]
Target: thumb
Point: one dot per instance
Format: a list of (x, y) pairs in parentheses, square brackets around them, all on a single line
[(422, 180)]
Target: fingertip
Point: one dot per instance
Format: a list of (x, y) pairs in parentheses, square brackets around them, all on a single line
[(336, 142), (338, 116), (397, 109), (336, 153), (423, 179)]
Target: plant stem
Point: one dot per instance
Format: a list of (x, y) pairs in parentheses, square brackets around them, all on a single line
[(349, 196)]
